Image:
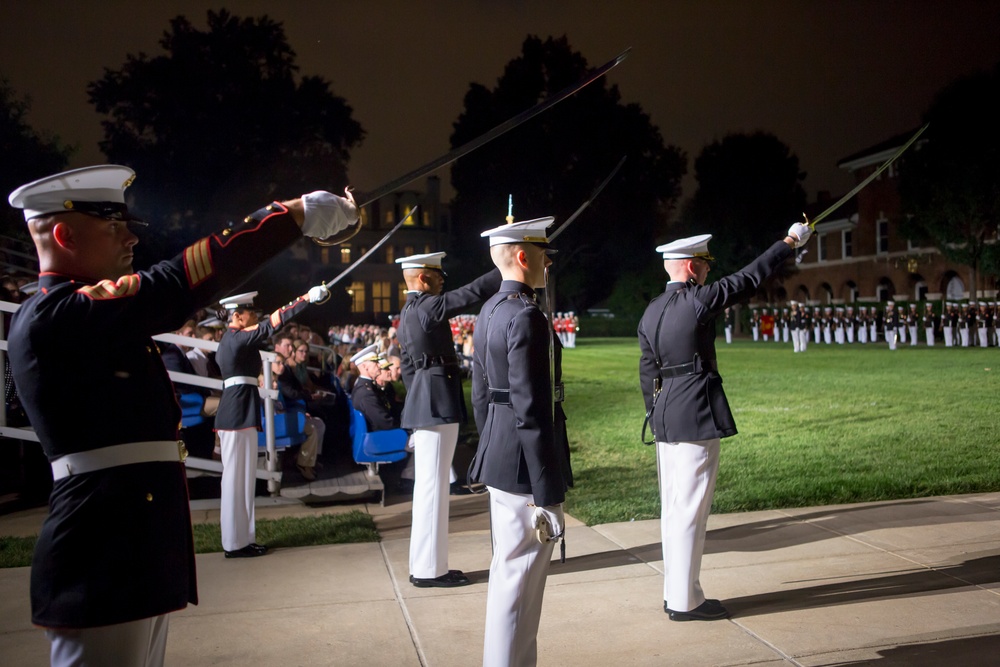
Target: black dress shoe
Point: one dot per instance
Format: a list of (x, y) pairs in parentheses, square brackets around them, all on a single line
[(710, 601), (452, 579), (709, 610), (457, 489), (249, 551)]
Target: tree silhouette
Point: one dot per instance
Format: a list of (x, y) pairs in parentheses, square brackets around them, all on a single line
[(27, 153), (950, 186), (749, 192), (553, 162), (219, 124)]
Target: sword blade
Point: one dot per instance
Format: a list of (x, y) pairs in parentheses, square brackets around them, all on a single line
[(372, 249), (506, 126), (585, 204), (860, 186)]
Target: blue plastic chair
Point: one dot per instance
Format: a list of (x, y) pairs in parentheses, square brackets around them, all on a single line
[(191, 405), (386, 446), (289, 426)]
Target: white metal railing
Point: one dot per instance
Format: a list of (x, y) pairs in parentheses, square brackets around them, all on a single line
[(272, 473)]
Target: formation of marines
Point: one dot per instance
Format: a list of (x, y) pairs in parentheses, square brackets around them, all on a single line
[(953, 324)]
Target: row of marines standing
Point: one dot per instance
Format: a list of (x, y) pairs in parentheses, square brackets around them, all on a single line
[(968, 326)]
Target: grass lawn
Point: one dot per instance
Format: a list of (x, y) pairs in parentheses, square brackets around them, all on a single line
[(837, 424)]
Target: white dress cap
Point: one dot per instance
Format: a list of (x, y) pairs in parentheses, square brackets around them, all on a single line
[(212, 323), (693, 246), (73, 190), (431, 260), (370, 353), (529, 231), (238, 301)]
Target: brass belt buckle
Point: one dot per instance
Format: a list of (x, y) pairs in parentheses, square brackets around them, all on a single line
[(182, 451)]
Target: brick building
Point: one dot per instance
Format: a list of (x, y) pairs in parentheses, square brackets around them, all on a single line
[(859, 256)]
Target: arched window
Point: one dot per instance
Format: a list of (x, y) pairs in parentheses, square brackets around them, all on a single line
[(826, 293), (884, 290), (955, 289)]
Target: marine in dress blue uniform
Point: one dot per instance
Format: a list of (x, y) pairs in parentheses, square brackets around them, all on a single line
[(522, 458), (687, 407), (115, 554), (434, 405), (366, 396), (238, 420)]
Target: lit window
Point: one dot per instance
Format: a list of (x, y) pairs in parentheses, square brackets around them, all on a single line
[(427, 218), (410, 222), (402, 294), (324, 255), (345, 254), (390, 254), (357, 294), (390, 217), (380, 297)]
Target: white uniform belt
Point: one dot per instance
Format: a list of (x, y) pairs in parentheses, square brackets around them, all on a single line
[(117, 455), (239, 379)]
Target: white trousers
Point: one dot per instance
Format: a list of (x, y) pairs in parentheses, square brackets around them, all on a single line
[(518, 571), (913, 335), (863, 334), (828, 339), (964, 333), (850, 334), (433, 449), (949, 336), (239, 479), (796, 341), (729, 335), (785, 333), (873, 333), (139, 643), (838, 336), (803, 339), (687, 472), (816, 336), (571, 339), (901, 332), (890, 338), (930, 336), (756, 332), (982, 337)]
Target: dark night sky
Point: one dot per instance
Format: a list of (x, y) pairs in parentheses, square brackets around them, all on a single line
[(828, 78)]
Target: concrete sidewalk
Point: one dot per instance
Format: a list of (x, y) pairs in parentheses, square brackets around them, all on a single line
[(913, 582)]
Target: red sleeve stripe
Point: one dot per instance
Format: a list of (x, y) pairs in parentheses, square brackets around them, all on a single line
[(110, 289), (198, 262)]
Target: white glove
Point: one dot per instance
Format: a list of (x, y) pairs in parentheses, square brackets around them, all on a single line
[(318, 293), (326, 213), (801, 233), (548, 523)]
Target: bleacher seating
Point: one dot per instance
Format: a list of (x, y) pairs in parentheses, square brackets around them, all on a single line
[(191, 405), (289, 426)]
